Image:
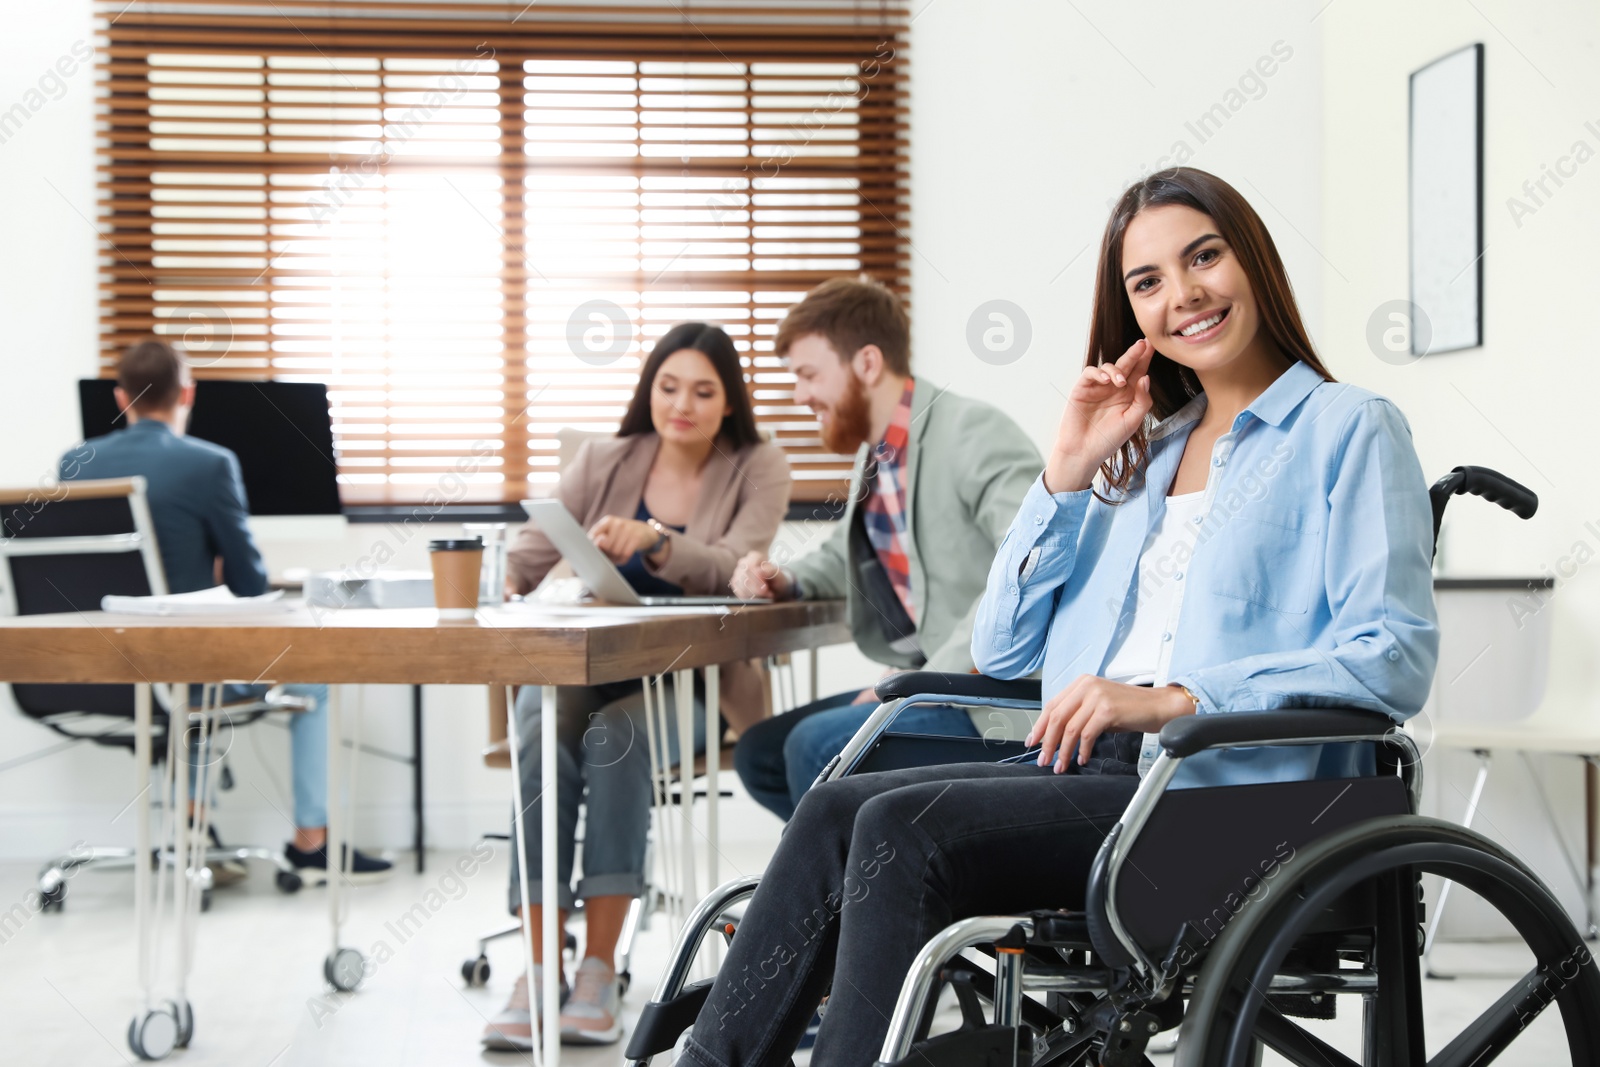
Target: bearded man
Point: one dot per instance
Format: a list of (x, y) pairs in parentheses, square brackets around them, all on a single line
[(937, 480)]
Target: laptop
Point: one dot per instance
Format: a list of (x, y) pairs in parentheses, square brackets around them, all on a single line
[(599, 575)]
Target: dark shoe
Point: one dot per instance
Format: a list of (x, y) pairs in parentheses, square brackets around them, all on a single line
[(312, 866)]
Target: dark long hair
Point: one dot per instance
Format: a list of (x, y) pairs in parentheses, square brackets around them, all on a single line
[(1113, 327), (739, 425)]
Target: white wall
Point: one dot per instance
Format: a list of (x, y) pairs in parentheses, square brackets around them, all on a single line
[(1522, 403), (1029, 119), (47, 291)]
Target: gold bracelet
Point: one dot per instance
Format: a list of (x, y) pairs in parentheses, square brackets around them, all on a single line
[(1190, 694)]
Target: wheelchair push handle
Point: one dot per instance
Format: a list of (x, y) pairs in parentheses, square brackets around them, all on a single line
[(1492, 486)]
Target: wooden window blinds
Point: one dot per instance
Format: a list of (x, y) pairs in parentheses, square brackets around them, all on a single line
[(472, 220)]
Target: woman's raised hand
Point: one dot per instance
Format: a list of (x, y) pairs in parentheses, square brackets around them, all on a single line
[(1107, 404)]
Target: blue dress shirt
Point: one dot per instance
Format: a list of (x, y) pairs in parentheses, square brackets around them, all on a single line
[(1310, 584)]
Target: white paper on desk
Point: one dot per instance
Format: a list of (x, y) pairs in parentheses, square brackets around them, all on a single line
[(607, 611), (218, 600)]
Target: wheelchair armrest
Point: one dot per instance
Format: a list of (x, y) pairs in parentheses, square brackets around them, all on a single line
[(916, 683), (1195, 733)]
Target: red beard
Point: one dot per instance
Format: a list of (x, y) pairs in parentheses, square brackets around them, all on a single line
[(851, 423)]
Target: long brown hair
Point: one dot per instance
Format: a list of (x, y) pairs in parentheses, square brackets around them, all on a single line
[(1113, 328), (739, 425)]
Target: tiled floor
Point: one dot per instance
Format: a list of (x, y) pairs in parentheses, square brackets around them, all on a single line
[(67, 987)]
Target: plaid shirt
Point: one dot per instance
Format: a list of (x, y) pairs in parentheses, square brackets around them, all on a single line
[(884, 513)]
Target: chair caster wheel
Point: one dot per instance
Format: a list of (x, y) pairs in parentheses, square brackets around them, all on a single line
[(183, 1012), (289, 882), (153, 1035), (205, 900), (626, 978), (344, 968), (476, 972), (53, 899)]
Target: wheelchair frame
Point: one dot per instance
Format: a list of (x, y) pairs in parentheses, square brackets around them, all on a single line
[(1108, 991)]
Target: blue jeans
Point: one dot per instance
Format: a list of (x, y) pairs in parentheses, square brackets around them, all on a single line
[(602, 760), (779, 758), (308, 747)]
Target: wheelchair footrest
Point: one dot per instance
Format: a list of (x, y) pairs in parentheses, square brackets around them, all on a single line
[(662, 1022), (987, 1046)]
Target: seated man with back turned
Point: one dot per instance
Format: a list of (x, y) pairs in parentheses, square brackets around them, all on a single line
[(197, 504), (938, 479)]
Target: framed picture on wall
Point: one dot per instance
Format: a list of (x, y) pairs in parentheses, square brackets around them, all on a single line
[(1446, 203)]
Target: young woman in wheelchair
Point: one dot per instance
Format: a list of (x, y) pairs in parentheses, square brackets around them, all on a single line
[(1219, 527)]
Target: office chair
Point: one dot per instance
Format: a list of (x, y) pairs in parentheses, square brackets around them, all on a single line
[(1198, 937), (62, 549)]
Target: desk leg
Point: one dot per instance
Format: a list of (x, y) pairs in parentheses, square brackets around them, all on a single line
[(155, 1030), (190, 781), (713, 791), (683, 687), (1591, 791), (713, 766), (812, 655), (141, 837), (519, 807), (344, 968), (550, 933), (416, 773), (334, 843)]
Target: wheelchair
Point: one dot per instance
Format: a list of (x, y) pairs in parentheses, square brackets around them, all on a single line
[(1314, 893)]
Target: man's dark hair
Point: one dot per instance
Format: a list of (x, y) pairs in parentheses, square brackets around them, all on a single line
[(851, 313), (153, 375)]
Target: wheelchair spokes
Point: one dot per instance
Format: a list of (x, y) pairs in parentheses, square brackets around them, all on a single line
[(1230, 1010)]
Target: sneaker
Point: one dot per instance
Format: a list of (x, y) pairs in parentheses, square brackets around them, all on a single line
[(512, 1029), (592, 1014), (312, 865)]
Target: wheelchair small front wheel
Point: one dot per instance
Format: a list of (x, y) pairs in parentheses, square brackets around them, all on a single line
[(1228, 1011)]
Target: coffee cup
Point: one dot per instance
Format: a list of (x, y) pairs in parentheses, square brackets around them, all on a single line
[(457, 565)]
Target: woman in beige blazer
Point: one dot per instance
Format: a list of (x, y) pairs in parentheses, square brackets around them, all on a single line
[(684, 490)]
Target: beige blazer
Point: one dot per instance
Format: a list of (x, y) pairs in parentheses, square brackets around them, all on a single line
[(744, 496)]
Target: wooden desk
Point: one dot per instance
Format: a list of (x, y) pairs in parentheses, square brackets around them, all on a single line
[(512, 645)]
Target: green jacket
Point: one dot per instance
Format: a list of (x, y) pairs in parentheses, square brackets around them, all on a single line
[(968, 467)]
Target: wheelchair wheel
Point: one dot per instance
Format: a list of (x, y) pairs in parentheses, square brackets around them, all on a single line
[(1228, 1011)]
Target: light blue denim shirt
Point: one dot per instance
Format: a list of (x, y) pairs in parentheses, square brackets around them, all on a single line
[(1309, 585)]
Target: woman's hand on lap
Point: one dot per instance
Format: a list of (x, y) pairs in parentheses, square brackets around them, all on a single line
[(1092, 706)]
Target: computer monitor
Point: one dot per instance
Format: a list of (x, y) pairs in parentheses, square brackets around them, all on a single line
[(281, 431)]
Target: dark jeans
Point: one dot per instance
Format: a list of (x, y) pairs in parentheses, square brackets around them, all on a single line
[(873, 866), (779, 758)]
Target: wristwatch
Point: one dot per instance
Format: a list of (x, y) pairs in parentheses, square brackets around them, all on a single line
[(661, 536)]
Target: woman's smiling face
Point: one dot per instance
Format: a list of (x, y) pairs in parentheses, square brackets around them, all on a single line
[(1188, 290)]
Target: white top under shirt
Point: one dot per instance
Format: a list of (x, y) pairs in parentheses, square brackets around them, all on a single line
[(1136, 650)]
